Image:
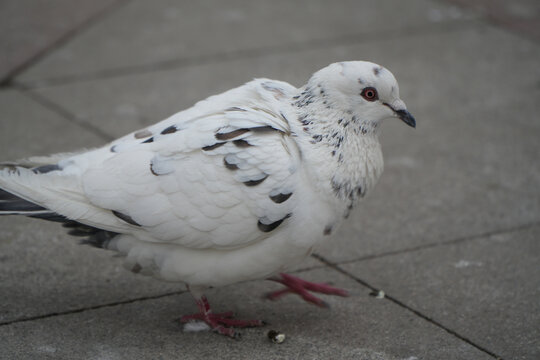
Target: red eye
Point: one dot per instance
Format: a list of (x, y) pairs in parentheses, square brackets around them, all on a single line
[(370, 94)]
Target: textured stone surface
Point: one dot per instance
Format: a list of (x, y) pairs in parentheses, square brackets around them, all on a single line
[(358, 327), (486, 289), (29, 129), (29, 28), (152, 34), (522, 16)]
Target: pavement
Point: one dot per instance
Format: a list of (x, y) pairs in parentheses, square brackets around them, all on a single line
[(451, 233)]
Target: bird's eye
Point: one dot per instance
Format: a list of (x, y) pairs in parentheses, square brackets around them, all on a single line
[(370, 94)]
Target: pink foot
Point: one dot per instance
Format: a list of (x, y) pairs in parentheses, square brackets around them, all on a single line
[(301, 287), (222, 323)]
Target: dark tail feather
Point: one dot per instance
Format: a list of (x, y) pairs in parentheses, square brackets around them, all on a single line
[(4, 195), (99, 239), (11, 204)]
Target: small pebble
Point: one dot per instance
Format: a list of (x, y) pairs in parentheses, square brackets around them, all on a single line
[(378, 294), (276, 336)]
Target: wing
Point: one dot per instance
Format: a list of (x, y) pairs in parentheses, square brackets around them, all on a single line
[(219, 175)]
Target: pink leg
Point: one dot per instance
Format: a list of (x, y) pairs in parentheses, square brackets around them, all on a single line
[(301, 287), (222, 323)]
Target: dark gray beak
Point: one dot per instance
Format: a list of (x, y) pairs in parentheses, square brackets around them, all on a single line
[(406, 117)]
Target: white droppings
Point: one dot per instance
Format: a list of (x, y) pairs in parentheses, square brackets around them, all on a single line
[(279, 338), (276, 337), (378, 294), (196, 326)]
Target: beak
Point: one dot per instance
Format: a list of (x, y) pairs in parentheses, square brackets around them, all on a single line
[(402, 112), (406, 117)]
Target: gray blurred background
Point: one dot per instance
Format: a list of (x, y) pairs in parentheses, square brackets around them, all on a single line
[(451, 233)]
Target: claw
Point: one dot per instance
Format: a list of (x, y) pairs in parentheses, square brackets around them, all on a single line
[(302, 288), (221, 323)]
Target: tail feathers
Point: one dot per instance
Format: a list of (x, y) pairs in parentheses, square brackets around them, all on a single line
[(11, 204), (100, 239)]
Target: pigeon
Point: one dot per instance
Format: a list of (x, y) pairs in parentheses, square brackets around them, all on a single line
[(239, 187)]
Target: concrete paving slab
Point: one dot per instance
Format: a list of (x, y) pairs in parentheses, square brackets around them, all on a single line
[(29, 28), (478, 55), (522, 16), (454, 176), (358, 327), (146, 33), (29, 129), (486, 289)]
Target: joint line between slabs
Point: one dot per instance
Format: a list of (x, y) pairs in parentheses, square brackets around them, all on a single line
[(248, 53), (443, 243), (61, 41), (407, 307), (116, 303), (94, 307), (64, 114)]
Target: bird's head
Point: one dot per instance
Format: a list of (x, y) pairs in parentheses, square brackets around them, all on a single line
[(367, 90)]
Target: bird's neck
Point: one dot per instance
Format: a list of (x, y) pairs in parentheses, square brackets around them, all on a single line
[(343, 151)]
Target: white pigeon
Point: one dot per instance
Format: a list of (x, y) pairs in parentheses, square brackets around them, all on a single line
[(238, 187)]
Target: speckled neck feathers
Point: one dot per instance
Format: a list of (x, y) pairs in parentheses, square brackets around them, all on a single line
[(344, 143)]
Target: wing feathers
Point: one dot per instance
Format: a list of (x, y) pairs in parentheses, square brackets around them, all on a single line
[(218, 175)]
